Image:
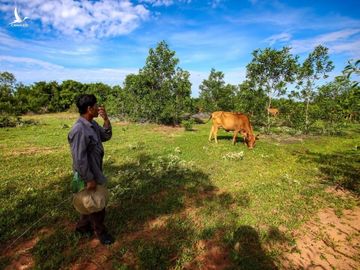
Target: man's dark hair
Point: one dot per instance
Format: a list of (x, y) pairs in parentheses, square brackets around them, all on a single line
[(84, 101)]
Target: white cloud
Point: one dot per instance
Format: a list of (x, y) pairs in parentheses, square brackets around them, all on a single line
[(30, 70), (24, 63), (338, 42), (48, 48), (278, 38), (84, 18), (292, 19), (338, 35), (157, 3)]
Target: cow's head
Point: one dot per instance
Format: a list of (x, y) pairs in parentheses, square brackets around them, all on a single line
[(250, 139)]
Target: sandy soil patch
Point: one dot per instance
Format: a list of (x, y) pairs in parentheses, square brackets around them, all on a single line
[(326, 242), (20, 254), (168, 130), (212, 255), (29, 151), (284, 139), (120, 123)]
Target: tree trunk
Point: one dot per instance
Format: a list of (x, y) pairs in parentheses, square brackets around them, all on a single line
[(268, 115), (307, 115)]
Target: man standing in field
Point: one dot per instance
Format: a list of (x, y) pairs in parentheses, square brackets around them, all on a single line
[(85, 139)]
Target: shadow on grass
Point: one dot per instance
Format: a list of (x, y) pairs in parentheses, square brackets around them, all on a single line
[(341, 169), (147, 214), (31, 205), (248, 252), (44, 215), (154, 190), (150, 187), (229, 137)]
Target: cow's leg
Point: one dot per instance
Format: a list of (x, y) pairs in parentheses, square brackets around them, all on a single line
[(211, 133), (244, 135), (215, 133), (235, 136)]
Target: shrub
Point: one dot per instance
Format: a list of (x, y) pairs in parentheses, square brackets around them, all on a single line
[(188, 124), (8, 120)]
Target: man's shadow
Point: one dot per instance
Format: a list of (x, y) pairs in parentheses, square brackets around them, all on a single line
[(248, 253)]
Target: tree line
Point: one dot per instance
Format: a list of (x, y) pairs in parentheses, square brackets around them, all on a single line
[(161, 91)]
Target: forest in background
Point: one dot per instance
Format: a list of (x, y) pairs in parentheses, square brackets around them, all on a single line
[(161, 93)]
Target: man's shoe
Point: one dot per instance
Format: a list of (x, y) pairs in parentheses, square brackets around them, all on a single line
[(106, 239)]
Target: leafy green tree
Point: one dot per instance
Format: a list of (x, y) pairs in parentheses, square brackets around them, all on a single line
[(251, 100), (7, 89), (161, 91), (136, 94), (181, 94), (353, 67), (116, 102), (315, 67), (22, 94), (44, 97), (215, 95), (271, 70), (337, 100), (69, 90), (100, 90), (54, 91)]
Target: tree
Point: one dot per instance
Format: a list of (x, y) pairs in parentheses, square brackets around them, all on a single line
[(135, 94), (337, 100), (315, 67), (181, 94), (22, 94), (271, 70), (116, 102), (69, 90), (161, 91), (100, 90), (7, 89), (353, 67), (215, 95), (251, 101)]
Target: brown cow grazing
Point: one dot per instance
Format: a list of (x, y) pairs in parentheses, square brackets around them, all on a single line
[(273, 111), (236, 122)]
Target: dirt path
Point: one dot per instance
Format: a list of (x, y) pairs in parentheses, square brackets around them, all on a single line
[(326, 242)]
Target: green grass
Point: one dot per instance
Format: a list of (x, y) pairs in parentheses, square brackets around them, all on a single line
[(196, 189)]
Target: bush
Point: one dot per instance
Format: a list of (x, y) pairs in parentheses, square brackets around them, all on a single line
[(188, 124), (9, 120)]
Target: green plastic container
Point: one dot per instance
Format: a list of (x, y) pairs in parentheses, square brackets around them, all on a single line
[(77, 184)]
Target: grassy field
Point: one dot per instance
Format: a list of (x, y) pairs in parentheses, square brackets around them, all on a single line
[(174, 194)]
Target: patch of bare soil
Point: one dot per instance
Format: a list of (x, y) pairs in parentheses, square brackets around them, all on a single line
[(168, 130), (120, 123), (28, 151), (102, 256), (326, 242), (20, 254), (284, 139), (22, 258), (212, 255)]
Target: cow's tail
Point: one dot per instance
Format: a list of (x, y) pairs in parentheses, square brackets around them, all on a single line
[(208, 119)]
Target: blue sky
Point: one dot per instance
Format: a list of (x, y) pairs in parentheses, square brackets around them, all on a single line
[(103, 41)]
